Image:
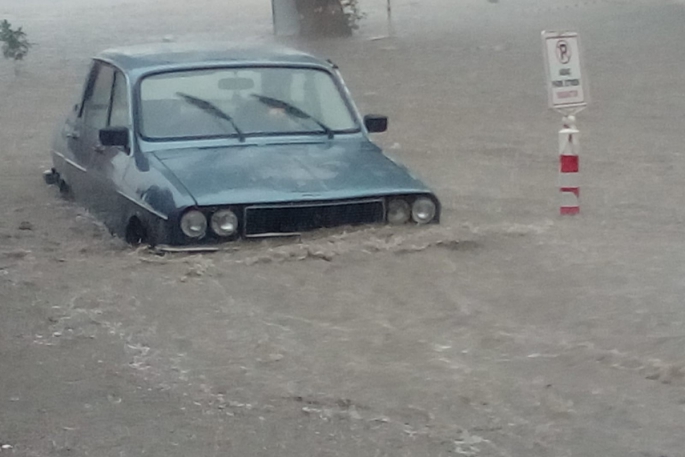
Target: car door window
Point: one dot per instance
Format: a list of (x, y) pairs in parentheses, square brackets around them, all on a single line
[(96, 107), (119, 116)]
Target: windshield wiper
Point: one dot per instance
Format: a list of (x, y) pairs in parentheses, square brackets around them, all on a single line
[(212, 109), (293, 111)]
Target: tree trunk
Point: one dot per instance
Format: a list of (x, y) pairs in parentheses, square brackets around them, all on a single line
[(18, 67), (322, 17)]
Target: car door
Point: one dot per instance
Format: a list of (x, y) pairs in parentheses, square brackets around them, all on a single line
[(94, 116), (109, 164), (107, 106)]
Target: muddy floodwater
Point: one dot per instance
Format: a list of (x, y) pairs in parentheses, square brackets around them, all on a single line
[(506, 330)]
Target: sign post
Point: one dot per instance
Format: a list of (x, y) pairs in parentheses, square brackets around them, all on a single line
[(567, 94)]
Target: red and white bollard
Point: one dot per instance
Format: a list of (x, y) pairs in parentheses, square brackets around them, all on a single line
[(569, 184)]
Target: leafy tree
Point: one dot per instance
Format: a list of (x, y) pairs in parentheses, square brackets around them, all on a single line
[(15, 46)]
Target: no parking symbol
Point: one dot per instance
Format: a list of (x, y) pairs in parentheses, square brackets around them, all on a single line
[(563, 52)]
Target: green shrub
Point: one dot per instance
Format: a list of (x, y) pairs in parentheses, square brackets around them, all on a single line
[(15, 46), (352, 12)]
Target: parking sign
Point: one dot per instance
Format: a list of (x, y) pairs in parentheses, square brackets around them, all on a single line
[(565, 79)]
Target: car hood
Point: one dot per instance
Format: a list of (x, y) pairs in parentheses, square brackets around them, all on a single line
[(287, 172)]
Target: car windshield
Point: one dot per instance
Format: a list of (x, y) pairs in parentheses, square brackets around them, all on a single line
[(242, 101)]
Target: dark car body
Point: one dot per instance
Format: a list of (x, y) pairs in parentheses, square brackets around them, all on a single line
[(141, 187)]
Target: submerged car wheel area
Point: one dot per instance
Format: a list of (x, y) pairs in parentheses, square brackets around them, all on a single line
[(136, 232), (182, 144)]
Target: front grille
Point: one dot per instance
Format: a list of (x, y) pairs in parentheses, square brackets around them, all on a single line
[(299, 217)]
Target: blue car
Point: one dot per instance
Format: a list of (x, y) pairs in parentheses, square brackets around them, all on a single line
[(181, 144)]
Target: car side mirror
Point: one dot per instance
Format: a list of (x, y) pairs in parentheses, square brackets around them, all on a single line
[(375, 123), (114, 136)]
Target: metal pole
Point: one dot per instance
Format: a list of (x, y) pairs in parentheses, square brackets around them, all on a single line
[(273, 16)]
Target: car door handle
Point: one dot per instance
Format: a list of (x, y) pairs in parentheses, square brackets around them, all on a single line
[(99, 148), (72, 135)]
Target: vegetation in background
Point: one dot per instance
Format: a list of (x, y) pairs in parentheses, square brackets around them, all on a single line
[(352, 12), (15, 45), (329, 17)]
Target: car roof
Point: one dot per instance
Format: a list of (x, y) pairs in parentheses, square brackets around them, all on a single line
[(150, 57)]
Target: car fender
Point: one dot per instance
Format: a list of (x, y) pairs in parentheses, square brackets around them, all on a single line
[(153, 195)]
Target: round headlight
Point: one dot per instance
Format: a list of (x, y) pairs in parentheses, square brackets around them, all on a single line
[(398, 211), (194, 224), (224, 222), (423, 210)]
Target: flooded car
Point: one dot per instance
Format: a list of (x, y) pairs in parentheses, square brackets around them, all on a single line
[(186, 144)]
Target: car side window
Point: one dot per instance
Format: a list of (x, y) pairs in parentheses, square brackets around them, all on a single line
[(119, 116), (96, 105)]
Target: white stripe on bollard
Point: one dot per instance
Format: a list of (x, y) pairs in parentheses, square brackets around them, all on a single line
[(569, 200), (568, 180)]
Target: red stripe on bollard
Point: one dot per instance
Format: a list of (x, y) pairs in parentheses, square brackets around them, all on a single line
[(569, 164)]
